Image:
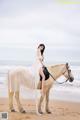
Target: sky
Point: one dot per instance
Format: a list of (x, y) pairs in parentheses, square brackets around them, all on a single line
[(26, 23)]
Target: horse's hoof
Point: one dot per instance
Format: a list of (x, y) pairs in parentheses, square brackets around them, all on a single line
[(48, 112), (40, 112), (13, 110), (23, 111)]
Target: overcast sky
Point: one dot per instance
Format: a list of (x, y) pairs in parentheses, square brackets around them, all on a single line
[(25, 23)]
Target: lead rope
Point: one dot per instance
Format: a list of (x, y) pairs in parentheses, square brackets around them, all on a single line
[(57, 81)]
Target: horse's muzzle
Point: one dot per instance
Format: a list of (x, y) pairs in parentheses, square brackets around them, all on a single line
[(71, 79)]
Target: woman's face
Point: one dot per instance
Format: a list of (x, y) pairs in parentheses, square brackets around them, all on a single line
[(41, 47)]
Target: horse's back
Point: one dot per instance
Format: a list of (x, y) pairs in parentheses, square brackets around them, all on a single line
[(22, 75)]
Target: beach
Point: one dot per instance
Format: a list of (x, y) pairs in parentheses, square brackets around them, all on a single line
[(60, 110), (64, 104)]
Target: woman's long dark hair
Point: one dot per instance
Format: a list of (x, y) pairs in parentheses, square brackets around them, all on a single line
[(42, 49)]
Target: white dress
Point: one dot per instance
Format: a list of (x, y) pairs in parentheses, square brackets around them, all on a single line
[(37, 66)]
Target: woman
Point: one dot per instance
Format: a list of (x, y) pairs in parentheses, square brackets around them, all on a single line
[(40, 65)]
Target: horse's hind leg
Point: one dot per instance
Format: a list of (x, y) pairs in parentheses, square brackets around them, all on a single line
[(18, 102), (11, 101)]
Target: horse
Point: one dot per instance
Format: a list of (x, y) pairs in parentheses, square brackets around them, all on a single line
[(22, 76)]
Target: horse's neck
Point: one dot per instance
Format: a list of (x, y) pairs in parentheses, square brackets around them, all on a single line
[(57, 71)]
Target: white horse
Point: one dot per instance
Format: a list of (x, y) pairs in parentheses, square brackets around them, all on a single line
[(22, 76)]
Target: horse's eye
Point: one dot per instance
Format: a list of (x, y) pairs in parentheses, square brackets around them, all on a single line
[(69, 70)]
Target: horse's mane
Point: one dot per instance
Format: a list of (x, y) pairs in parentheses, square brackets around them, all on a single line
[(53, 66)]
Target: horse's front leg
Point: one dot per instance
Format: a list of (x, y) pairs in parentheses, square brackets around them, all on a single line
[(47, 102), (18, 102), (39, 110)]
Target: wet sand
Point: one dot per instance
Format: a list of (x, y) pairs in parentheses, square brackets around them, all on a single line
[(60, 110)]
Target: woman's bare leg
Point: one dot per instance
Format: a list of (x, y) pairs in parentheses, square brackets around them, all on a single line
[(42, 91)]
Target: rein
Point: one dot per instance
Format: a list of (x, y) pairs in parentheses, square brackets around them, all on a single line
[(57, 81)]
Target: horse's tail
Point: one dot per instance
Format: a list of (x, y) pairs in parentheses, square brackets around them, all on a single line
[(8, 82)]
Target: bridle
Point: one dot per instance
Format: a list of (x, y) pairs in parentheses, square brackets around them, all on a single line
[(63, 74)]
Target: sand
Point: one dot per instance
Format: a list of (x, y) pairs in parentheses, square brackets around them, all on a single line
[(60, 110)]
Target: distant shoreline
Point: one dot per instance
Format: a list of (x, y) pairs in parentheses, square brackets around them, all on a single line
[(30, 62)]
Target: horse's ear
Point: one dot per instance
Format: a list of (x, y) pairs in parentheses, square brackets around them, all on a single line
[(67, 65)]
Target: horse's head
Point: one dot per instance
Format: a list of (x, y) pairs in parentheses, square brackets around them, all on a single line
[(67, 73)]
